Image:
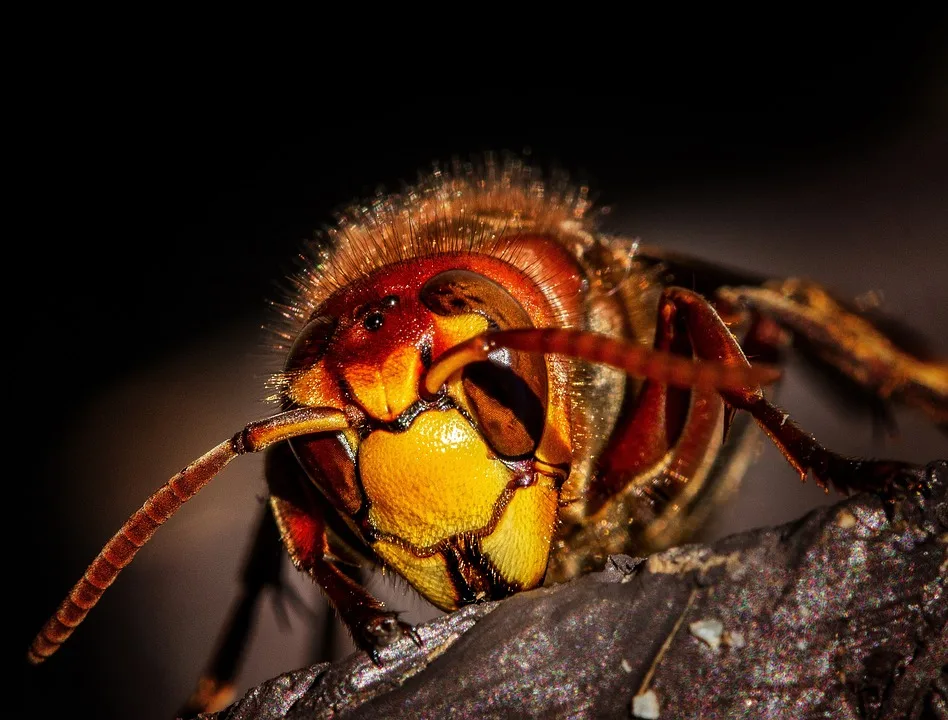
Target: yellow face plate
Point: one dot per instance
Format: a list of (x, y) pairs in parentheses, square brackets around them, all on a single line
[(429, 575), (432, 481), (385, 391), (520, 543)]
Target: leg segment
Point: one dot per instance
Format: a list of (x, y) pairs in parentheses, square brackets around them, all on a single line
[(865, 358), (304, 520), (663, 467), (720, 365), (261, 571), (712, 340), (666, 457), (846, 341), (666, 438)]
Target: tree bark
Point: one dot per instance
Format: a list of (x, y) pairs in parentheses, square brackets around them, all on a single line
[(841, 614)]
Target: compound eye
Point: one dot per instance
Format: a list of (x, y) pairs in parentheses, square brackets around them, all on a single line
[(508, 393), (509, 412), (457, 292), (312, 343)]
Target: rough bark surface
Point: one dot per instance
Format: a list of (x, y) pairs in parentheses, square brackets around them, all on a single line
[(841, 614)]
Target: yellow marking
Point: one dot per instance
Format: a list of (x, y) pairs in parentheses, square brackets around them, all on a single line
[(428, 575), (367, 387), (401, 374), (432, 481), (520, 543), (454, 329), (388, 390), (314, 388), (450, 332)]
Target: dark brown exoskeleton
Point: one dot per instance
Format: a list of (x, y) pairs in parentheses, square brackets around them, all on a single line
[(484, 393)]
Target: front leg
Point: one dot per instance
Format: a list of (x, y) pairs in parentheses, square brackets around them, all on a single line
[(300, 513)]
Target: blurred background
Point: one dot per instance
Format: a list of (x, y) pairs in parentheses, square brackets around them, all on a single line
[(163, 206)]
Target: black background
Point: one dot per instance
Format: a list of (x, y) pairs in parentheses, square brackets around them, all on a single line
[(157, 205)]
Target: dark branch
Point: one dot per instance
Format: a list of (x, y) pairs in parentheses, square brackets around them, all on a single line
[(841, 614)]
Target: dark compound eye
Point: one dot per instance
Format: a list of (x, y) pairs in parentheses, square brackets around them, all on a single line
[(508, 394), (312, 343), (374, 321)]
